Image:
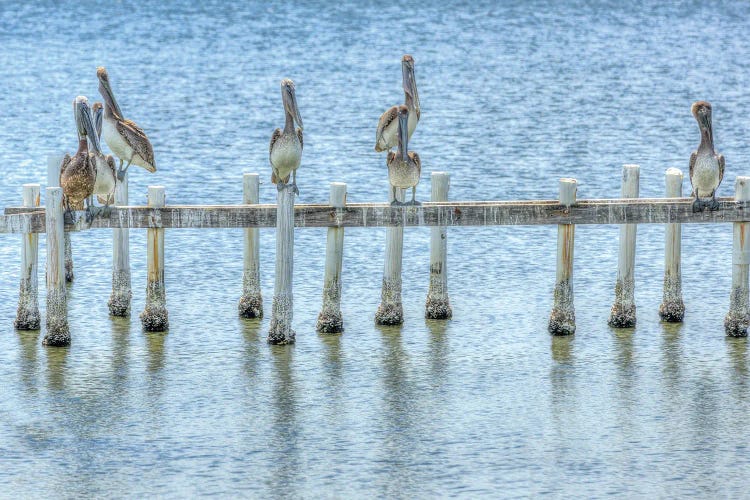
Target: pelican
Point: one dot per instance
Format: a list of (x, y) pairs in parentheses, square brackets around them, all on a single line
[(126, 139), (386, 137), (78, 172), (106, 172), (404, 167), (706, 166), (285, 151)]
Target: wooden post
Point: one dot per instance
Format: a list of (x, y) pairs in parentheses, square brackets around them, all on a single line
[(281, 331), (251, 302), (672, 308), (27, 314), (438, 305), (737, 319), (390, 311), (58, 333), (623, 309), (562, 320), (53, 180), (155, 317), (119, 299), (329, 319)]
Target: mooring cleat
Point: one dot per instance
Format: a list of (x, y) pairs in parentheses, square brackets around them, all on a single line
[(698, 206)]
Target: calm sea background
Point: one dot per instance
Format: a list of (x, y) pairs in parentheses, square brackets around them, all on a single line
[(514, 96)]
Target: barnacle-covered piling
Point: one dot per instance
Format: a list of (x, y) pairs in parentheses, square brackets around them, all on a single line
[(672, 308), (562, 320), (438, 304), (251, 301), (623, 309), (330, 319), (281, 331), (390, 311), (155, 317), (58, 333), (27, 314), (738, 317), (119, 299)]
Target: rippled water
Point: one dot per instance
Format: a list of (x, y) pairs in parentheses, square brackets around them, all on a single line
[(514, 96)]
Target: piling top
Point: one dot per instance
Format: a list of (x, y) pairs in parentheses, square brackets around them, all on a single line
[(630, 180), (250, 188), (742, 188), (673, 178), (337, 196), (156, 196), (568, 188), (673, 171)]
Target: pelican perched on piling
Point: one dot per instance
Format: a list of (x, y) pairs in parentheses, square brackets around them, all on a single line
[(386, 136), (78, 172), (404, 167), (106, 171), (126, 139), (285, 151), (706, 165)]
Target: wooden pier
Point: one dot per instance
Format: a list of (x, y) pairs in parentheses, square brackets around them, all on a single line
[(440, 214)]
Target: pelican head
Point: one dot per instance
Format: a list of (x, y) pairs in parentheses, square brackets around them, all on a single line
[(702, 112), (409, 81), (289, 99), (80, 113), (403, 131), (106, 90)]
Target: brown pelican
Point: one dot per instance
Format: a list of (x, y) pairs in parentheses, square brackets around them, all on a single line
[(78, 172), (706, 166), (285, 151), (386, 137), (106, 172), (126, 139), (404, 167)]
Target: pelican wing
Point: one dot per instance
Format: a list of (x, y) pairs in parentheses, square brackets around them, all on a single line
[(721, 168), (415, 158), (136, 139), (299, 136), (386, 119), (693, 156), (274, 137)]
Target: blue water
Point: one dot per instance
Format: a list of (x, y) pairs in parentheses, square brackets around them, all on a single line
[(514, 95)]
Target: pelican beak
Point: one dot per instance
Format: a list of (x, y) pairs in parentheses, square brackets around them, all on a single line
[(403, 129), (410, 82), (80, 105), (294, 109), (87, 121)]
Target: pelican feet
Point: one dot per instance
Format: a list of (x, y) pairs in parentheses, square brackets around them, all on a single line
[(698, 205), (91, 213), (413, 203), (712, 205), (396, 203), (294, 188)]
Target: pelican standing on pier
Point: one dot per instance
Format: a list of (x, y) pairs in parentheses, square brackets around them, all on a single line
[(126, 139), (285, 151), (106, 171), (706, 165), (386, 136), (404, 167), (78, 172)]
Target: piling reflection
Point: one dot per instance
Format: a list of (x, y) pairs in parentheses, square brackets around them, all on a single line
[(154, 366), (57, 361), (398, 413), (438, 350), (737, 348), (250, 329), (671, 348), (120, 350), (332, 365), (29, 342), (562, 378), (284, 446)]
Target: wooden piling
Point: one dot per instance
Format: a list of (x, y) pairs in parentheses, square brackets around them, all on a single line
[(119, 299), (27, 314), (623, 309), (438, 304), (672, 308), (330, 319), (58, 333), (280, 331), (562, 320), (155, 317), (53, 180), (251, 301), (738, 317), (390, 311)]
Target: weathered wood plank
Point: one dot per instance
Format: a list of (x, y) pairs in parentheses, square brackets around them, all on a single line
[(479, 213)]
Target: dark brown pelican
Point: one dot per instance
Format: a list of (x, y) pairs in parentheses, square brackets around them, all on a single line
[(404, 167), (78, 172), (386, 137), (106, 171), (706, 166), (285, 151), (126, 139)]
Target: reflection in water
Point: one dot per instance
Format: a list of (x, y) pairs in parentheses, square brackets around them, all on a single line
[(121, 350), (737, 348), (332, 366), (57, 360), (155, 345), (671, 356), (399, 399), (29, 342), (438, 351), (250, 329), (562, 377), (284, 443)]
